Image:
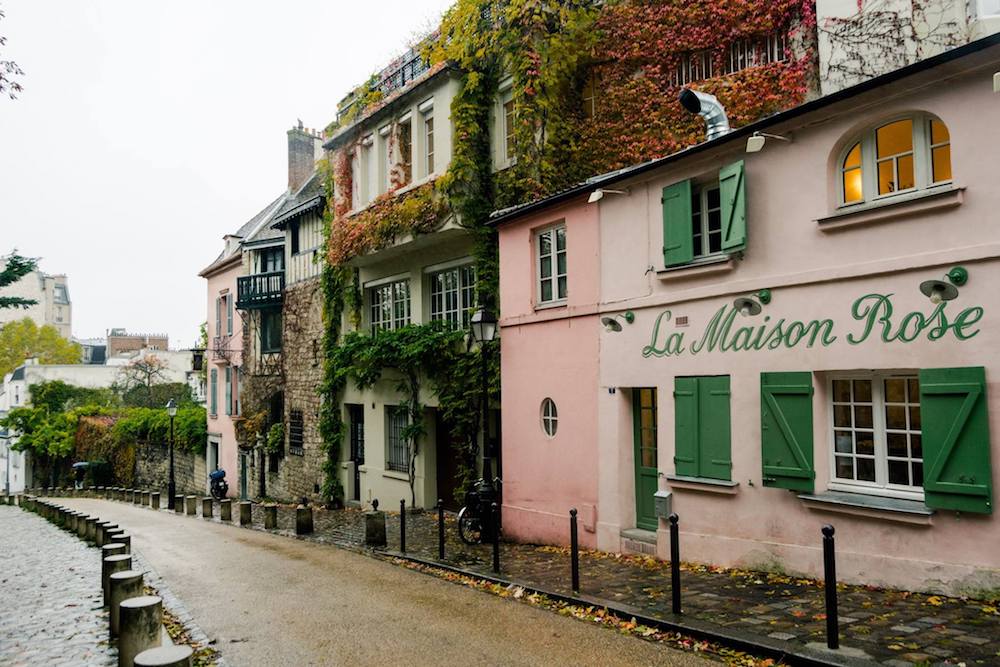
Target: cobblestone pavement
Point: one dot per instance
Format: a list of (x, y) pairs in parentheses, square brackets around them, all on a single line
[(50, 596), (892, 627)]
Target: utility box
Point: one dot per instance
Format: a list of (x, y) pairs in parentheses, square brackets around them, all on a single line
[(663, 503)]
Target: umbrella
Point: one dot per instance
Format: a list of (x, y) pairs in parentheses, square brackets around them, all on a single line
[(81, 464)]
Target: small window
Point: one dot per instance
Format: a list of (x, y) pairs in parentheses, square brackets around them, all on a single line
[(706, 221), (293, 232), (550, 417), (272, 260), (589, 94), (270, 331), (904, 155), (876, 432), (398, 454), (429, 143), (389, 305), (453, 295), (551, 254), (295, 432)]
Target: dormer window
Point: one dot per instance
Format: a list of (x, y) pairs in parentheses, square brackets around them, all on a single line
[(904, 155)]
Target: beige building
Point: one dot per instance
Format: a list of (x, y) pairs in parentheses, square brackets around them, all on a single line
[(50, 291)]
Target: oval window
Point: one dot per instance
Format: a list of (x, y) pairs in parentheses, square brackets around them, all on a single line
[(550, 417)]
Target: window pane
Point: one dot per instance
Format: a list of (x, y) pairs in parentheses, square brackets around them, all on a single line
[(546, 266), (895, 390), (561, 263), (561, 238), (844, 443), (845, 467), (562, 287), (918, 474), (939, 132), (894, 138), (842, 415), (899, 472), (916, 446), (546, 290), (886, 178), (852, 185), (866, 470), (545, 243), (713, 198), (853, 158), (863, 391), (646, 398), (842, 391), (895, 417), (862, 416), (941, 159), (913, 386), (897, 444), (904, 169), (864, 442)]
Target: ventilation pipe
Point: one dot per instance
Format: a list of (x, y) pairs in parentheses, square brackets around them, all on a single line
[(709, 108)]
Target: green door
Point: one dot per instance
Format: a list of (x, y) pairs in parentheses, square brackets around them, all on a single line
[(644, 428)]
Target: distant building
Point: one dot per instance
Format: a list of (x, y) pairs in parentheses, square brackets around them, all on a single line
[(51, 292), (120, 341), (93, 350)]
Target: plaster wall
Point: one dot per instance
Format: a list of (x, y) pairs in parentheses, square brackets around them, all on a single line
[(221, 427)]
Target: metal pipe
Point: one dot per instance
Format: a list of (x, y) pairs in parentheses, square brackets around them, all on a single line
[(440, 529), (494, 517), (708, 107), (574, 552), (830, 588), (402, 526), (675, 565)]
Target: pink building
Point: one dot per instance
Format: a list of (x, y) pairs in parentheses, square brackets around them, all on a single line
[(765, 340)]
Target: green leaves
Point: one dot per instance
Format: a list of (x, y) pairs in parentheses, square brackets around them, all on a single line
[(24, 339)]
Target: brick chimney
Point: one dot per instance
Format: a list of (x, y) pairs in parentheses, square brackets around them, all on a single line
[(304, 146)]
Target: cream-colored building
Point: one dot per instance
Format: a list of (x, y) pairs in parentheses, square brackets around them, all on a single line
[(50, 291)]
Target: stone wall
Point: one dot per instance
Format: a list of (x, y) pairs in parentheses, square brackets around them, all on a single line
[(152, 469)]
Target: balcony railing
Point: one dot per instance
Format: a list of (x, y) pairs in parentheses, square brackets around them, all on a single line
[(222, 348), (261, 290)]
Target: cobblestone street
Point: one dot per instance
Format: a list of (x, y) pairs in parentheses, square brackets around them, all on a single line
[(50, 596)]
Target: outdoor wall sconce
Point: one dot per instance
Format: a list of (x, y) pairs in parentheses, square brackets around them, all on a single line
[(612, 325), (756, 141), (751, 305), (947, 289), (598, 194)]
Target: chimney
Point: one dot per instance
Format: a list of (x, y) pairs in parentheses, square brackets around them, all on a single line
[(303, 149)]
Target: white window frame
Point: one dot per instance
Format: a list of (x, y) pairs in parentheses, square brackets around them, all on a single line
[(548, 414), (922, 162), (369, 169), (555, 275), (427, 130), (392, 412), (392, 322), (385, 158), (701, 192), (881, 485), (506, 158), (465, 295)]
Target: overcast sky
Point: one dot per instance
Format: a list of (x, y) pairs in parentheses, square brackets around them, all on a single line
[(147, 130)]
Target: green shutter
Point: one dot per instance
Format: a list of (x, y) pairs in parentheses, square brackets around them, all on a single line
[(229, 315), (956, 439), (213, 388), (229, 390), (715, 450), (678, 244), (686, 426), (786, 430), (732, 193)]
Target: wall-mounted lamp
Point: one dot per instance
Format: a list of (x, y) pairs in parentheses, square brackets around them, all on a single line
[(751, 304), (598, 194), (612, 325), (996, 82), (756, 141), (947, 289)]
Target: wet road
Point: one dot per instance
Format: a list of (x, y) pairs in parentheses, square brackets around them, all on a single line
[(272, 600)]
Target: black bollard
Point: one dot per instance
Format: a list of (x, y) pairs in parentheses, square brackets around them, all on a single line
[(440, 529), (830, 586), (494, 518), (402, 526), (675, 565), (574, 551)]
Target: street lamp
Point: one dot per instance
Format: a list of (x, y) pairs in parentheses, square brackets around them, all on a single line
[(171, 485), (484, 330)]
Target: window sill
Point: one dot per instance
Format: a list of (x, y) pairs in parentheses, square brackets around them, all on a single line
[(551, 304), (877, 507), (393, 474), (702, 484), (698, 268), (881, 210)]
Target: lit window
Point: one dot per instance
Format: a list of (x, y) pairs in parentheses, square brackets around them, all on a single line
[(552, 265), (706, 221), (876, 432), (550, 417), (453, 295), (904, 155), (390, 305)]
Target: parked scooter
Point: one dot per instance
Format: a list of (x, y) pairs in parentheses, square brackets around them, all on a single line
[(219, 487)]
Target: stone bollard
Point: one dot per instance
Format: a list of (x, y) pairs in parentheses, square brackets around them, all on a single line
[(110, 565), (226, 509), (375, 528), (206, 508), (154, 500), (246, 513), (123, 585), (121, 537), (71, 518), (303, 520), (179, 504), (140, 624), (165, 656), (136, 497), (91, 528), (191, 505), (81, 525), (270, 516), (104, 532)]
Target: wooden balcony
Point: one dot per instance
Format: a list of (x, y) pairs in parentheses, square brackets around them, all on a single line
[(260, 290)]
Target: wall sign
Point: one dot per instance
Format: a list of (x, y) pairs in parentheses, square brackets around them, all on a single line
[(873, 316)]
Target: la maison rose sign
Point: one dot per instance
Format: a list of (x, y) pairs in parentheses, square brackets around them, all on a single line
[(872, 317)]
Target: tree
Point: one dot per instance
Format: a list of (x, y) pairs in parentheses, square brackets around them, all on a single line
[(15, 266), (157, 395), (23, 339), (9, 70), (138, 378)]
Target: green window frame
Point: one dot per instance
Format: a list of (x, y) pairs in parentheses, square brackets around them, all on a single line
[(702, 427)]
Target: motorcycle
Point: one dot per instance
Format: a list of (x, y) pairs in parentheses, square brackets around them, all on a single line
[(219, 486), (476, 523)]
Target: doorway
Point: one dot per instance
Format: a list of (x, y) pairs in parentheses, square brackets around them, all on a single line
[(211, 461), (644, 436), (356, 414), (449, 453)]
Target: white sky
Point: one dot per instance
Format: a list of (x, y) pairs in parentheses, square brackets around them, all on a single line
[(147, 130)]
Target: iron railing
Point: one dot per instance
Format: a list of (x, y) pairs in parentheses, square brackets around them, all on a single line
[(260, 290)]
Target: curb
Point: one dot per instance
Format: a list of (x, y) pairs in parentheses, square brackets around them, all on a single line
[(781, 651)]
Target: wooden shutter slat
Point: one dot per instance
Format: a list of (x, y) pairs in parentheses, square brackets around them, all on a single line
[(678, 243), (714, 434), (686, 426), (732, 193), (787, 430)]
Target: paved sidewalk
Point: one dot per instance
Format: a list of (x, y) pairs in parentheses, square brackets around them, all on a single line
[(50, 596)]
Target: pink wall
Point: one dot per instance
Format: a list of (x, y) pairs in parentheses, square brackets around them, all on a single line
[(221, 425)]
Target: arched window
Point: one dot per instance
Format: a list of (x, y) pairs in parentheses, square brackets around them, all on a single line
[(550, 417), (903, 155)]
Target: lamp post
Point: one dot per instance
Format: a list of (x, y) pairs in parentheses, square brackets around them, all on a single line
[(171, 485), (484, 330)]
